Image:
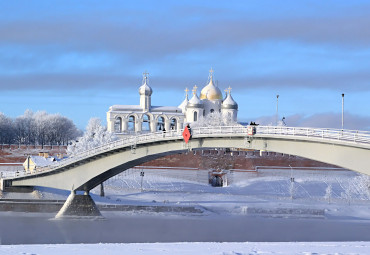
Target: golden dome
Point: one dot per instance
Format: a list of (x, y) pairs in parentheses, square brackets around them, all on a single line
[(211, 92)]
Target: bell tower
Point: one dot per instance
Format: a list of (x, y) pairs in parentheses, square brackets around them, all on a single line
[(145, 92)]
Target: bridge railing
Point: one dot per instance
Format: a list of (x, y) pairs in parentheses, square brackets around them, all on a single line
[(127, 141), (362, 137), (332, 134)]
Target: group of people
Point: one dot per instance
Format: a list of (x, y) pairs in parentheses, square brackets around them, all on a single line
[(188, 126)]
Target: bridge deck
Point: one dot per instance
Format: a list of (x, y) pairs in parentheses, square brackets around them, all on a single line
[(247, 136)]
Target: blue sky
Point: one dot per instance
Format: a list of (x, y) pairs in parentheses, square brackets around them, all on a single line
[(79, 57)]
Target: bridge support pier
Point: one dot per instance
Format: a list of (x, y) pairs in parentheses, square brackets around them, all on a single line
[(81, 206)]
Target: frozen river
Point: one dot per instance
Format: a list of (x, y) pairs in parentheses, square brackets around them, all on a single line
[(345, 211), (22, 228)]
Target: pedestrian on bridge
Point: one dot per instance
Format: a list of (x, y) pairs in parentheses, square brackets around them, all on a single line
[(189, 128)]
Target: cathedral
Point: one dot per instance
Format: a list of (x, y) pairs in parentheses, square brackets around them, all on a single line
[(142, 118)]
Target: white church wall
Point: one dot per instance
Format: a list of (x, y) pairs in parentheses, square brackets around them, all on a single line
[(190, 113), (230, 115), (209, 105)]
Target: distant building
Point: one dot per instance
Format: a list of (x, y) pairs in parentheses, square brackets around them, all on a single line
[(43, 159), (128, 119)]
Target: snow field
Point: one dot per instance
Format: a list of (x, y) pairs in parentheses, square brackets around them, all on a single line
[(271, 248), (309, 185), (336, 193)]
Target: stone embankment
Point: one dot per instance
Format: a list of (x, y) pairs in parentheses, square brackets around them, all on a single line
[(54, 206)]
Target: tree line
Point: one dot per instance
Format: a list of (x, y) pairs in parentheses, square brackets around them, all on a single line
[(39, 128)]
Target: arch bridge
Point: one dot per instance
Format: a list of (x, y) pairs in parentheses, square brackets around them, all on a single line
[(344, 148)]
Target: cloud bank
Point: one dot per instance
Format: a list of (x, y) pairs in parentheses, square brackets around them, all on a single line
[(80, 46), (321, 120)]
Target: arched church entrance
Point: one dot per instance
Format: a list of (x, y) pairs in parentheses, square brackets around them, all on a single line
[(145, 125), (118, 125), (173, 124), (131, 123), (160, 124)]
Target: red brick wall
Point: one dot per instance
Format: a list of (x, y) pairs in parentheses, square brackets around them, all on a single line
[(247, 160)]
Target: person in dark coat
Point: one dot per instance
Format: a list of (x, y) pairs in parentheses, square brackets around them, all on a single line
[(189, 128)]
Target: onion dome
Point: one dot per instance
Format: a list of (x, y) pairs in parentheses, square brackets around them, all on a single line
[(184, 103), (229, 102), (145, 89), (210, 91), (195, 102)]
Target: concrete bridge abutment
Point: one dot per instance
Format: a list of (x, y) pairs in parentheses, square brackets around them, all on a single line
[(79, 206)]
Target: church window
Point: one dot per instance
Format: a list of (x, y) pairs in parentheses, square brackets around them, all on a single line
[(212, 110), (131, 123), (118, 125), (145, 126), (195, 116), (173, 124), (160, 124), (229, 118)]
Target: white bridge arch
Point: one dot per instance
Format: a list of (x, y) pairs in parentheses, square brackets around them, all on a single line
[(344, 148)]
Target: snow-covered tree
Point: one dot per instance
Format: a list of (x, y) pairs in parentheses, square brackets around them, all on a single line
[(292, 189), (348, 192), (358, 188), (6, 129), (363, 183), (25, 128), (65, 130), (328, 193), (94, 136), (43, 128)]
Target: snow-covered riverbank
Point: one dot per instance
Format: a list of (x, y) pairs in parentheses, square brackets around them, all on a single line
[(304, 248), (265, 206)]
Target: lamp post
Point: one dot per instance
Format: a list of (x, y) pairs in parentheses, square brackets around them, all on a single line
[(142, 177), (277, 109), (342, 111)]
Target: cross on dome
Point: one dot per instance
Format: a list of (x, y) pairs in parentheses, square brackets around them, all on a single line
[(194, 89), (186, 92), (145, 76), (229, 89), (210, 76)]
